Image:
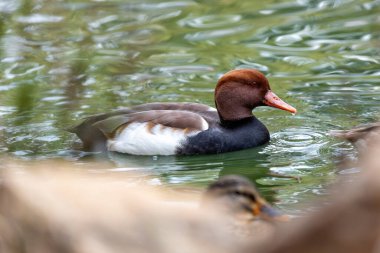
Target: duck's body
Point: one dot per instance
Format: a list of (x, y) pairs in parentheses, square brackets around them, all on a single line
[(243, 134), (187, 128)]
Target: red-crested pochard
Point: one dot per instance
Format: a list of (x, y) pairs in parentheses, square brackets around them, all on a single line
[(188, 128)]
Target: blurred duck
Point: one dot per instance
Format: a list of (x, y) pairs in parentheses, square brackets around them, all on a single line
[(67, 210), (361, 135), (245, 210), (350, 223), (188, 128), (365, 138)]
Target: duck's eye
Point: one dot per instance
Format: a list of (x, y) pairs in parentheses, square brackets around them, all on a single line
[(235, 193), (245, 194), (251, 197)]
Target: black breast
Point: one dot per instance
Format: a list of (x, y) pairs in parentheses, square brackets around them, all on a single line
[(227, 137)]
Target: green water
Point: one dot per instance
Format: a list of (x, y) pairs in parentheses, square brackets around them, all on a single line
[(63, 60)]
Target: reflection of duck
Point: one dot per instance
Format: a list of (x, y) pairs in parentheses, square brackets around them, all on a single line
[(188, 128), (245, 209)]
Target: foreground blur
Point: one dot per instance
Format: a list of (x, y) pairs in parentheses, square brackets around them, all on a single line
[(67, 210)]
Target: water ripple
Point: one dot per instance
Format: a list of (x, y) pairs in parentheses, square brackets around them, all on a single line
[(17, 70), (171, 59), (146, 36), (214, 34), (298, 60), (102, 21), (9, 6), (287, 40), (304, 143), (162, 5), (39, 18), (184, 69), (254, 65), (210, 21)]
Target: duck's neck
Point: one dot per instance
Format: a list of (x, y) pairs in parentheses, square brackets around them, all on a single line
[(236, 123)]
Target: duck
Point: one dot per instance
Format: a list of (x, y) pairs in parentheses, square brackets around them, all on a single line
[(238, 196), (66, 215), (246, 212), (359, 136), (187, 128), (365, 139)]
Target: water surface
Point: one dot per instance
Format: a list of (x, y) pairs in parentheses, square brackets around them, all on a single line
[(64, 60)]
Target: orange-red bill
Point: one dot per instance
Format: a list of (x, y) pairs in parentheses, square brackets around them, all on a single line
[(273, 100)]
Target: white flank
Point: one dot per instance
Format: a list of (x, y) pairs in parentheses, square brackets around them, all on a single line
[(211, 109), (135, 139)]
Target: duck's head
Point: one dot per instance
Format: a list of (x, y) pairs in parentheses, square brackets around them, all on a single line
[(238, 92), (237, 196)]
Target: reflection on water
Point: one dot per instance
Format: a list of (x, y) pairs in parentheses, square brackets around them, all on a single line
[(61, 61)]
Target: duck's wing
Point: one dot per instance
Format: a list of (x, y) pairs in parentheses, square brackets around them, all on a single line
[(192, 107), (94, 139), (156, 132), (177, 120)]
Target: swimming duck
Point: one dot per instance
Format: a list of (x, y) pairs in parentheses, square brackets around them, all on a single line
[(188, 128), (246, 212)]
